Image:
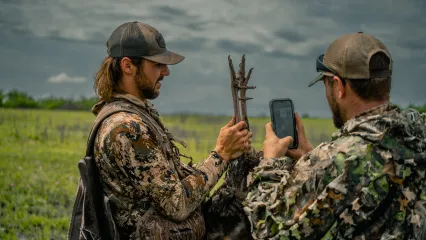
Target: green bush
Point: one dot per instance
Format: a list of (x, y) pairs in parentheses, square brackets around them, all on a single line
[(17, 99), (421, 109), (1, 98), (52, 103)]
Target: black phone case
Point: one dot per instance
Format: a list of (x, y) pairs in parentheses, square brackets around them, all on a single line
[(295, 139)]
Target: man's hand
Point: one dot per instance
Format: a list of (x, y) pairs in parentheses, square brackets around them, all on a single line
[(274, 147), (304, 145), (233, 140)]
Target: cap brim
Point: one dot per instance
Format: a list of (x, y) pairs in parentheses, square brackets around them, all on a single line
[(320, 77), (168, 57)]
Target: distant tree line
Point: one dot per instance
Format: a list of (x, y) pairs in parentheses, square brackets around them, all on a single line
[(19, 99)]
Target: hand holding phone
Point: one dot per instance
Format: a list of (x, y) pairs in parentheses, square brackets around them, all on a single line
[(283, 119), (304, 145), (274, 147)]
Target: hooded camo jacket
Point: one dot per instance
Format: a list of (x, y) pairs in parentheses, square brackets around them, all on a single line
[(367, 183)]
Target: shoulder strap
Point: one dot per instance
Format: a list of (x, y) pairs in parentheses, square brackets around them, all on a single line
[(162, 135), (105, 113)]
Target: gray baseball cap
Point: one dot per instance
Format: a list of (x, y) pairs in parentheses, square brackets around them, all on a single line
[(136, 39), (349, 57)]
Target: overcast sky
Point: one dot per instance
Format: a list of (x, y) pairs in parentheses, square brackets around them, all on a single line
[(54, 47)]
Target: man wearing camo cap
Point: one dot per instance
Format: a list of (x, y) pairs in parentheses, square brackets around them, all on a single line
[(368, 182), (154, 195)]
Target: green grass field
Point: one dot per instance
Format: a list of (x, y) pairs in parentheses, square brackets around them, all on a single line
[(39, 151)]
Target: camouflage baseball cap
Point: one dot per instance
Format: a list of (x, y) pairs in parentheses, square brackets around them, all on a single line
[(349, 56), (136, 39)]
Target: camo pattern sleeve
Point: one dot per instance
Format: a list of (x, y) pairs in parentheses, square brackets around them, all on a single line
[(135, 168), (313, 199)]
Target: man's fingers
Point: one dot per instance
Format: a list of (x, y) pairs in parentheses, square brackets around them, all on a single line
[(269, 131), (245, 138), (299, 124), (231, 123), (239, 126), (287, 141), (249, 135), (243, 133), (292, 153)]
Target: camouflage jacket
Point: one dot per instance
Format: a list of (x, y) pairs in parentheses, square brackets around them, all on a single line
[(367, 183), (156, 196)]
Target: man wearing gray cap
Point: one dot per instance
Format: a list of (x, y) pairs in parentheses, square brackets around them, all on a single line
[(148, 192), (368, 182)]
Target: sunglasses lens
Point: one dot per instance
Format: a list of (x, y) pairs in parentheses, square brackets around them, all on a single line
[(320, 66)]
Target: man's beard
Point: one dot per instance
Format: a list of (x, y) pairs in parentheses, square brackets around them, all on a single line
[(337, 112), (145, 88)]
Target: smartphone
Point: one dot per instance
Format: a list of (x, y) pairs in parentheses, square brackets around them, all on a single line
[(283, 119)]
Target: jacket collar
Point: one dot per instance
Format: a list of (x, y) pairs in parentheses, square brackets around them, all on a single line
[(126, 97)]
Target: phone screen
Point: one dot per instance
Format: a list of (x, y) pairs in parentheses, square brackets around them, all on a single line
[(282, 116)]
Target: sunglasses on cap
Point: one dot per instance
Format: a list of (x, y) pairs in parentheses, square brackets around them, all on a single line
[(322, 69)]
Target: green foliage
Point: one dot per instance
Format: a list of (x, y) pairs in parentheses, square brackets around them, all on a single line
[(18, 99), (421, 109), (52, 103), (86, 103), (40, 150), (38, 173), (1, 98)]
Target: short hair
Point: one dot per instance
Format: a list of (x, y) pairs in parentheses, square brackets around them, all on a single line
[(374, 89)]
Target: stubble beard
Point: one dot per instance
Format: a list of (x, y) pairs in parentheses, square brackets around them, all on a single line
[(337, 113), (146, 89)]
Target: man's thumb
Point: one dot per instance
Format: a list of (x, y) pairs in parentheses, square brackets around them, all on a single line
[(269, 131), (231, 123), (287, 141)]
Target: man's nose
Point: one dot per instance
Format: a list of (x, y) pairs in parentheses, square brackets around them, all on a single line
[(165, 71)]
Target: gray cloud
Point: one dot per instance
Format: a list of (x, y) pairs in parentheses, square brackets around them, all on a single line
[(196, 26), (234, 46), (290, 35), (414, 45), (281, 40), (95, 38), (188, 45), (281, 54), (171, 11)]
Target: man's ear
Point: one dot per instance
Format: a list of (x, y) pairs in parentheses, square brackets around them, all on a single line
[(126, 65), (341, 90)]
